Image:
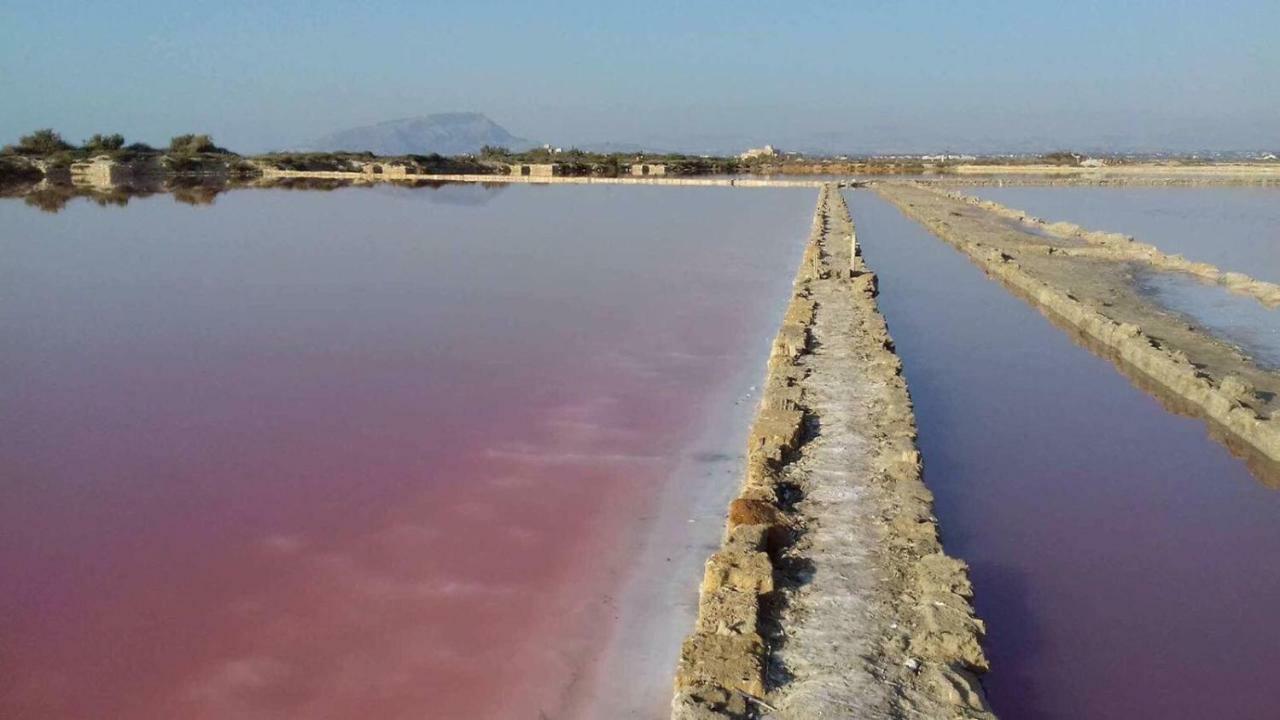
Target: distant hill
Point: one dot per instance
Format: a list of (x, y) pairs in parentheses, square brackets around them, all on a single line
[(443, 133)]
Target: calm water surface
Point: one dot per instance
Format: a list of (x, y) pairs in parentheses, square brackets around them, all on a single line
[(1234, 317), (1235, 228), (1122, 559), (364, 453)]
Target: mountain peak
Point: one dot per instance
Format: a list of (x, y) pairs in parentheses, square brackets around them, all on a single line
[(452, 133)]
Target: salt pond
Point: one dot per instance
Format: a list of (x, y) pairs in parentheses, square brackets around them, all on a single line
[(1235, 228), (370, 452), (1120, 557)]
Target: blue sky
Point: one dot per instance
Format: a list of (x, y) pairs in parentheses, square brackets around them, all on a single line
[(857, 76)]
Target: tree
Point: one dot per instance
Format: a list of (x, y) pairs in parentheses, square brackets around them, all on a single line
[(103, 143), (192, 144), (1063, 157), (41, 142)]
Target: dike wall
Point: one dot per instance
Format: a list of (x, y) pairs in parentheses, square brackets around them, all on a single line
[(1120, 247), (1223, 400), (271, 173), (767, 633)]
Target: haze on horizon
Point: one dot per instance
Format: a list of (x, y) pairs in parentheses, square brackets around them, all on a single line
[(716, 76)]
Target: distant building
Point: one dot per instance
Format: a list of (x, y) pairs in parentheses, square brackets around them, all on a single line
[(768, 151), (1092, 162), (648, 169), (946, 157), (536, 169), (99, 172), (385, 169)]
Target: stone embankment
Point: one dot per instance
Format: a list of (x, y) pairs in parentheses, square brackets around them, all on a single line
[(1102, 180), (357, 177), (1085, 280), (831, 596), (1131, 174), (1124, 248)]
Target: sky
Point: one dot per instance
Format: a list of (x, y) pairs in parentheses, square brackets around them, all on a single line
[(853, 76)]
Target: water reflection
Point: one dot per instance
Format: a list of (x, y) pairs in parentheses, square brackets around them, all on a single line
[(1261, 466), (1238, 319), (1115, 549), (445, 193), (53, 197), (344, 454)]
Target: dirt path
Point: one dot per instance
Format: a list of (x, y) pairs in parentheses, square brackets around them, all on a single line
[(1085, 281), (831, 597)]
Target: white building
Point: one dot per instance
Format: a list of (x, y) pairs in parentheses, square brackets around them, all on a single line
[(768, 151)]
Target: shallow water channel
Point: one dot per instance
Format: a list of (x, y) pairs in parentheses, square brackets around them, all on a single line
[(1237, 318), (1235, 228), (372, 452), (1122, 559)]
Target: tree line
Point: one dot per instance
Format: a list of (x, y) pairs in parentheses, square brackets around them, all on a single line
[(47, 142)]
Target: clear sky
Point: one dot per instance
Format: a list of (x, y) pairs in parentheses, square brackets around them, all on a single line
[(855, 76)]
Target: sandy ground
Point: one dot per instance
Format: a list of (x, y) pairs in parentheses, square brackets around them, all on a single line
[(1085, 280), (831, 597)]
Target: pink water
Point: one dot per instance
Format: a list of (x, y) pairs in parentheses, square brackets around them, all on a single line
[(363, 453)]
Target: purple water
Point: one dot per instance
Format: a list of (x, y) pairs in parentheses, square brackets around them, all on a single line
[(1122, 559), (1235, 228)]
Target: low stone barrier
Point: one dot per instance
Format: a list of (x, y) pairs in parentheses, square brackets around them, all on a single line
[(1118, 246), (928, 653), (359, 177), (1222, 399)]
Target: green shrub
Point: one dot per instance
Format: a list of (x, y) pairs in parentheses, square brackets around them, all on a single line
[(99, 143), (1062, 157), (40, 142), (193, 144)]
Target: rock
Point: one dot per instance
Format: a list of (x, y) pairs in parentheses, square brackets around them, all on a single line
[(733, 662), (748, 571), (709, 703), (753, 512), (1236, 388), (728, 611), (959, 688)]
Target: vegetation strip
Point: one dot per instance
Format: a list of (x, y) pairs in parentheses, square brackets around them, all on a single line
[(830, 594), (1091, 289)]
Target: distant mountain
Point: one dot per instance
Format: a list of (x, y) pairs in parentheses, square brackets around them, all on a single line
[(443, 133)]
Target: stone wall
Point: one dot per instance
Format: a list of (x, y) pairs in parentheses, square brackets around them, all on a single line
[(269, 173), (648, 169), (1223, 386), (99, 172), (388, 170), (777, 634), (537, 170)]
